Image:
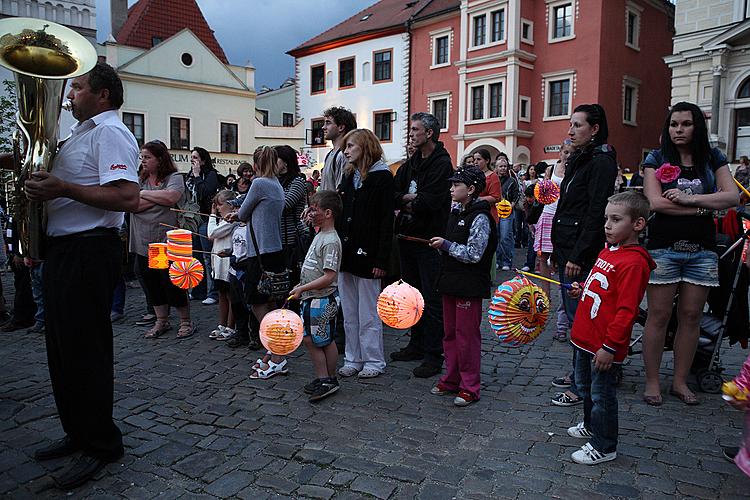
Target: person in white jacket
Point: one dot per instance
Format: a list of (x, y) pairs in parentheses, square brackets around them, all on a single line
[(220, 233)]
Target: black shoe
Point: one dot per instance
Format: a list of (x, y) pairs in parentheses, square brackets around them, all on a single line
[(426, 370), (730, 452), (60, 448), (82, 470), (327, 387), (406, 354), (13, 325), (312, 386), (237, 341), (4, 317), (146, 320)]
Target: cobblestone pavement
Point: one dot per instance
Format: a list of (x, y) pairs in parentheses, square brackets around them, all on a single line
[(195, 426)]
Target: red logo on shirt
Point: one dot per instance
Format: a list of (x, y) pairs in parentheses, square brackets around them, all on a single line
[(118, 166)]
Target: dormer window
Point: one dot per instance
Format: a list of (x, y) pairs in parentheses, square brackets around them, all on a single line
[(365, 17)]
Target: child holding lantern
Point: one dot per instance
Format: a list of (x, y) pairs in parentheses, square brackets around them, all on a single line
[(318, 291), (220, 233), (464, 281), (737, 394)]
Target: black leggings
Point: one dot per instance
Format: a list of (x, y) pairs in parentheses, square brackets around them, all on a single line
[(159, 290)]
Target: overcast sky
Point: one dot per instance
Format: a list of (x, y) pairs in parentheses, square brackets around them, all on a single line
[(261, 31)]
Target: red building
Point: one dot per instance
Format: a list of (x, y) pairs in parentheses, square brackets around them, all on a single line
[(506, 74)]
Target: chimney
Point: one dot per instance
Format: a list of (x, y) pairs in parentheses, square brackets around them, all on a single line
[(118, 10)]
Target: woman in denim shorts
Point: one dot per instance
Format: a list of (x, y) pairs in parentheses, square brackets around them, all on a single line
[(685, 180)]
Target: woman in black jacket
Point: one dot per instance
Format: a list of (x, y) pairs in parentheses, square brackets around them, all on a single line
[(366, 231), (202, 185), (578, 227)]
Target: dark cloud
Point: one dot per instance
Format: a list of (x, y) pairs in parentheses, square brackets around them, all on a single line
[(261, 31)]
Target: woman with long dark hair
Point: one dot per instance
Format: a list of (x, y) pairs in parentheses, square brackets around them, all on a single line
[(161, 188), (684, 180), (203, 184), (578, 227)]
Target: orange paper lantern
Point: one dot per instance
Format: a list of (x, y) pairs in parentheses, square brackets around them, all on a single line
[(504, 208), (180, 245), (157, 256), (400, 305), (186, 274), (281, 331), (518, 311), (546, 191)]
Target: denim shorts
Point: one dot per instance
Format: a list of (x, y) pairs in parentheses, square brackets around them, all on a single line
[(697, 268)]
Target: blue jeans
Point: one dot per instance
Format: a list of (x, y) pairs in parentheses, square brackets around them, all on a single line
[(569, 305), (118, 298), (530, 253), (505, 241), (203, 243), (599, 392), (36, 292)]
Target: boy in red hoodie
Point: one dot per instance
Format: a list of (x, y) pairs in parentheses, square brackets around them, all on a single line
[(608, 306)]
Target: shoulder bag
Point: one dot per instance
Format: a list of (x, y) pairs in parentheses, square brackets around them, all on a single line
[(275, 285)]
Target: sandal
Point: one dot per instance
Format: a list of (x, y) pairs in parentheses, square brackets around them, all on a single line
[(187, 329), (271, 371), (688, 398), (160, 327)]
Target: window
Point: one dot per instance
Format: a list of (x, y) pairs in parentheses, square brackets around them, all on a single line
[(179, 133), (630, 100), (263, 116), (480, 25), (524, 112), (346, 73), (383, 125), (497, 31), (477, 103), (186, 59), (317, 139), (527, 31), (383, 68), (441, 50), (288, 120), (156, 40), (632, 26), (229, 138), (561, 21), (318, 79), (134, 122), (440, 111), (496, 99), (559, 98)]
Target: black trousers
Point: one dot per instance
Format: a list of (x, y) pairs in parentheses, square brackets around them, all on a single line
[(79, 276), (24, 307)]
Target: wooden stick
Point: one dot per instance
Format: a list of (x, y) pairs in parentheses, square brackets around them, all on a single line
[(412, 238), (191, 212), (192, 232), (739, 185)]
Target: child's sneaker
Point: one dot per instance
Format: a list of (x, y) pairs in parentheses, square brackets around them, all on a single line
[(216, 332), (226, 334), (464, 399), (562, 399), (312, 386), (587, 455), (327, 387), (441, 390), (579, 431)]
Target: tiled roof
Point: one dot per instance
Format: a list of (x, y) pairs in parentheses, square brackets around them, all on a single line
[(163, 18), (381, 16), (436, 7)]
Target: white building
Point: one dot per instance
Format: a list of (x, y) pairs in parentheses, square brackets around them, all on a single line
[(361, 64), (276, 107), (711, 67)]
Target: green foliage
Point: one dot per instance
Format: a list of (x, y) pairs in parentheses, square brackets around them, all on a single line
[(7, 115)]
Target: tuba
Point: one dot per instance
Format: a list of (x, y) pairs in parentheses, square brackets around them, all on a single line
[(43, 55)]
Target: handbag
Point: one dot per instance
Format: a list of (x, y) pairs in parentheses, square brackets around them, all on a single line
[(189, 217), (275, 285)]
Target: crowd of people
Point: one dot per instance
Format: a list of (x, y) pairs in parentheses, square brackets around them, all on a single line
[(324, 245)]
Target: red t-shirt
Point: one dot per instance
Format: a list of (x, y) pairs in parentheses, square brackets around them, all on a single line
[(610, 298)]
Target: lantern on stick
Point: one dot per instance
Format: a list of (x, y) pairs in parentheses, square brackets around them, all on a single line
[(186, 274), (281, 331), (157, 256), (546, 191), (504, 208), (518, 311), (180, 245), (400, 305)]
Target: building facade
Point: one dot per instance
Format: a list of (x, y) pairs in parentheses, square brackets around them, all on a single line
[(275, 107), (711, 67)]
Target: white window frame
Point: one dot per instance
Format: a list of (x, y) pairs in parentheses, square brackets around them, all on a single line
[(436, 96), (487, 13), (635, 84), (527, 100), (530, 40), (634, 9), (434, 35), (486, 82), (551, 6), (547, 79)]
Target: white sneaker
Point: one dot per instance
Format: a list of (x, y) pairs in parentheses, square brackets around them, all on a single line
[(506, 268), (587, 455), (525, 268), (579, 431), (216, 332), (209, 301)]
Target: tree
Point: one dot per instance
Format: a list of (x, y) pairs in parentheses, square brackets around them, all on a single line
[(7, 115)]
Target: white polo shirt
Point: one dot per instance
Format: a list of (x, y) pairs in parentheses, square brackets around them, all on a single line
[(99, 150)]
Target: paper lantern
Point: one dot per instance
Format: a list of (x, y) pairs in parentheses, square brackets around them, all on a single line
[(186, 274), (180, 245), (400, 305), (281, 331), (518, 311), (546, 191), (157, 256), (504, 208)]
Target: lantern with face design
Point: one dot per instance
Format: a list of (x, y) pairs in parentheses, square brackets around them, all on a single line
[(518, 311)]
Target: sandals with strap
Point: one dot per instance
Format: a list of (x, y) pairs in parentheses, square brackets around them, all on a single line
[(160, 327), (271, 371), (187, 329)]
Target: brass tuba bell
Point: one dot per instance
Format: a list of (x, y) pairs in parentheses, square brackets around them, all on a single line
[(43, 55)]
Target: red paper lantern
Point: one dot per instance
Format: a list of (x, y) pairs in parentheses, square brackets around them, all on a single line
[(157, 256), (281, 331), (400, 305), (546, 191), (186, 274)]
